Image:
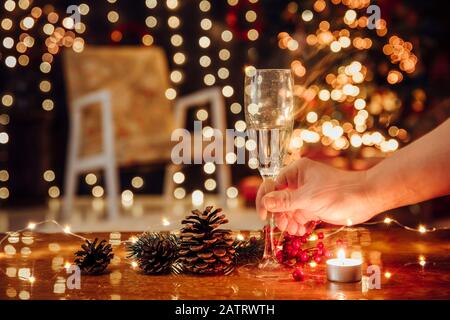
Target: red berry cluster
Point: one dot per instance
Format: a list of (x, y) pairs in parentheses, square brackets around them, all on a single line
[(293, 254)]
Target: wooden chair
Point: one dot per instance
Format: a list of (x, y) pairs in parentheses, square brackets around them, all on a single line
[(136, 118)]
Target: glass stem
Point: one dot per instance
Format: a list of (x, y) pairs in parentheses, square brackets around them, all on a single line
[(269, 246), (269, 258)]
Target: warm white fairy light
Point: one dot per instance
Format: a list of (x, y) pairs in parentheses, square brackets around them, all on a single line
[(232, 192), (197, 197), (422, 229), (387, 220), (165, 222), (134, 264), (313, 237), (179, 193), (202, 114), (98, 191), (422, 261), (66, 229), (210, 184), (227, 36), (137, 182), (178, 177), (151, 4), (209, 167), (387, 275), (31, 225), (151, 21)]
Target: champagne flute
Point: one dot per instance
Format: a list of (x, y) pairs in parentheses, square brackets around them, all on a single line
[(269, 115)]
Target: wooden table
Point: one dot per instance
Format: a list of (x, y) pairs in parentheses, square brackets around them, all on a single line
[(398, 252)]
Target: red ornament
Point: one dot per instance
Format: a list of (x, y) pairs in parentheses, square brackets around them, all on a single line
[(298, 275), (304, 257), (293, 253)]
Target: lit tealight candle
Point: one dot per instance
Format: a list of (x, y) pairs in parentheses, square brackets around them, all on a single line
[(343, 269)]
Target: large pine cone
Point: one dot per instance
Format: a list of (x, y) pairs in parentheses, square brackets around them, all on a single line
[(154, 252), (94, 259), (205, 249)]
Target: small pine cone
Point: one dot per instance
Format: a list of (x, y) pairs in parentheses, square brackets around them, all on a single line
[(94, 259), (154, 252), (205, 249)]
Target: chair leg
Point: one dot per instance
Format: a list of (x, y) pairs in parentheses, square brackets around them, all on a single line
[(111, 179), (71, 174), (168, 182)]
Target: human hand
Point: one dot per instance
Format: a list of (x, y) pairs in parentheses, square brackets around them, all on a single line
[(308, 190)]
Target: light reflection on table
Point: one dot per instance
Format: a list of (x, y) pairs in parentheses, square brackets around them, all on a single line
[(412, 267)]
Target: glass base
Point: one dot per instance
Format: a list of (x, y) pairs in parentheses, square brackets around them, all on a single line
[(268, 269)]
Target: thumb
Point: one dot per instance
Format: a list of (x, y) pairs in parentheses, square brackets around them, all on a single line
[(277, 201)]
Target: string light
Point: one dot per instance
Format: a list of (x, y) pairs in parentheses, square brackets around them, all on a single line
[(422, 261)]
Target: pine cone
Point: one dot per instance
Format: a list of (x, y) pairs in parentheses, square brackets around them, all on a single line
[(94, 259), (154, 252), (204, 249)]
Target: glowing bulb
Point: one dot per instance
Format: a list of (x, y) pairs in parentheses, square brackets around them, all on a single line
[(31, 279), (134, 264), (313, 264), (31, 225), (313, 237), (422, 229), (67, 265), (387, 274), (165, 222), (66, 229), (239, 237), (387, 220), (422, 261), (133, 239)]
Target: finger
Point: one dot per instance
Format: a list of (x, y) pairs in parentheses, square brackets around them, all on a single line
[(281, 221), (299, 217), (301, 230), (292, 175), (288, 177), (266, 187), (292, 227), (278, 201)]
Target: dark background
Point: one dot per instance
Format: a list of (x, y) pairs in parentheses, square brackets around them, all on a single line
[(37, 138)]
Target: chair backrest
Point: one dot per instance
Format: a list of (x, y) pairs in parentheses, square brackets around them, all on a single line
[(137, 78)]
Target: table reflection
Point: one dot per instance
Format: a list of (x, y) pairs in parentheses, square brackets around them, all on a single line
[(34, 266)]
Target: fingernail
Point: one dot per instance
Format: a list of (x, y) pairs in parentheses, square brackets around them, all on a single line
[(270, 203)]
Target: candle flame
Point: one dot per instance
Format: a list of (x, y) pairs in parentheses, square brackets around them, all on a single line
[(341, 254)]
